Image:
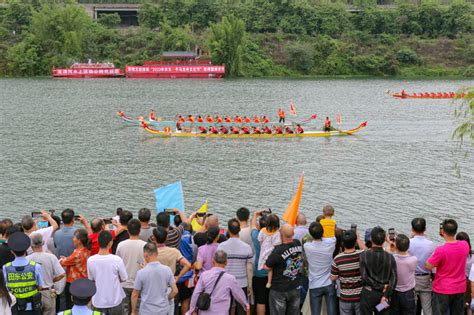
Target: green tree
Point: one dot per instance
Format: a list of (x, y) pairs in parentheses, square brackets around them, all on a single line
[(464, 131), (150, 15), (110, 20), (225, 44), (178, 38), (17, 15), (24, 58), (458, 19), (301, 57)]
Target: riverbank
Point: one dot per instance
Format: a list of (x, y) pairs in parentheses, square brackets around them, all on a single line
[(263, 39)]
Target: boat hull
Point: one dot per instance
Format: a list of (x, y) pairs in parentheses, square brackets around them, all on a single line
[(256, 136)]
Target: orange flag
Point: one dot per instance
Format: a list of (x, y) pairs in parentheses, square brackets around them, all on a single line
[(292, 211)]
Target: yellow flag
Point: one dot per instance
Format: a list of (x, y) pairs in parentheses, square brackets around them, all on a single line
[(194, 223), (292, 211)]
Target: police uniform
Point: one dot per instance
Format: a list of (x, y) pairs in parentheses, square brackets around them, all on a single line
[(83, 289), (23, 278)]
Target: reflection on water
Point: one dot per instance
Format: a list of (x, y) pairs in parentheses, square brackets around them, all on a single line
[(62, 146)]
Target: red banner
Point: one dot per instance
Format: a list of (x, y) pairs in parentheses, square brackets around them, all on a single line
[(176, 69), (86, 71)]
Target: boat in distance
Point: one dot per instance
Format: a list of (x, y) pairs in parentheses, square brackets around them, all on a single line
[(152, 131), (427, 95)]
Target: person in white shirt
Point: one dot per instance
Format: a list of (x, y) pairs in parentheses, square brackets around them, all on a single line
[(243, 215), (131, 252), (422, 248), (108, 272), (7, 300), (319, 257), (52, 272), (30, 226)]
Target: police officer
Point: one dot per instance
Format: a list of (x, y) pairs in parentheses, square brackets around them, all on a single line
[(23, 277), (82, 290)]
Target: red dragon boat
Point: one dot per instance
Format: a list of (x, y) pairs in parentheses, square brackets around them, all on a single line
[(177, 64), (89, 70)]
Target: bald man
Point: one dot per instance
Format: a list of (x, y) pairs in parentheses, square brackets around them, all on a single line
[(200, 238), (287, 262), (300, 229)]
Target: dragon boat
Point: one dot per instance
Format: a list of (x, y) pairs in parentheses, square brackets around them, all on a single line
[(170, 133), (449, 95)]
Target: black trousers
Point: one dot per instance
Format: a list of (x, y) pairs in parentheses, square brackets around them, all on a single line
[(369, 300), (68, 296), (282, 120), (403, 303), (447, 303), (17, 312)]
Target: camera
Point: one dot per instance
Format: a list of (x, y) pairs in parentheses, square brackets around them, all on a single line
[(354, 228), (391, 234)]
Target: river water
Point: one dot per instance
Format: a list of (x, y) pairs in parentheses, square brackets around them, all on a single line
[(62, 146)]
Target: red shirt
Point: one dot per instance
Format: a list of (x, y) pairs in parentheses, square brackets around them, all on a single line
[(94, 237)]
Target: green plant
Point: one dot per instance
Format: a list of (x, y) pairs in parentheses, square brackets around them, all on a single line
[(407, 56)]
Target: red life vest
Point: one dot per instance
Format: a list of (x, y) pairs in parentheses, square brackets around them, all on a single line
[(266, 120), (219, 119), (328, 123), (228, 119), (247, 120), (200, 119), (210, 120), (191, 119), (152, 116)]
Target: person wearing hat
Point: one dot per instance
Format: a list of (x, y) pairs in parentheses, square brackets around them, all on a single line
[(23, 277), (82, 291)]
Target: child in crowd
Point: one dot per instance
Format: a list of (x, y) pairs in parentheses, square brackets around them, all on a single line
[(268, 237), (328, 223)]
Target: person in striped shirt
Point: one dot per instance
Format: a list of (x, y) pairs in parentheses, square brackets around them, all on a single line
[(346, 268)]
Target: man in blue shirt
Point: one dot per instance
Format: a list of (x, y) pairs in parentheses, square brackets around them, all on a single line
[(23, 278)]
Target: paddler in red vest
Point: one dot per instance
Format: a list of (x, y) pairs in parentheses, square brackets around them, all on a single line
[(200, 119), (288, 130), (202, 129), (228, 119), (151, 116), (256, 130), (213, 130), (278, 130), (404, 94), (209, 119), (247, 119), (218, 119), (267, 130), (245, 130), (256, 119), (224, 130), (265, 120), (327, 125), (235, 130), (299, 129), (191, 118), (238, 119), (281, 116), (181, 119)]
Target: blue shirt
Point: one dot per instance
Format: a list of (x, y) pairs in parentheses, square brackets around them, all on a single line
[(422, 248), (63, 241), (23, 261), (260, 273), (319, 257)]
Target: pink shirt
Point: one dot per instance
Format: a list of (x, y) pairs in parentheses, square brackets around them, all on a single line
[(450, 262)]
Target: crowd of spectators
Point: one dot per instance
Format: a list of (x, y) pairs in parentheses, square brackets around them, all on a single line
[(254, 264)]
